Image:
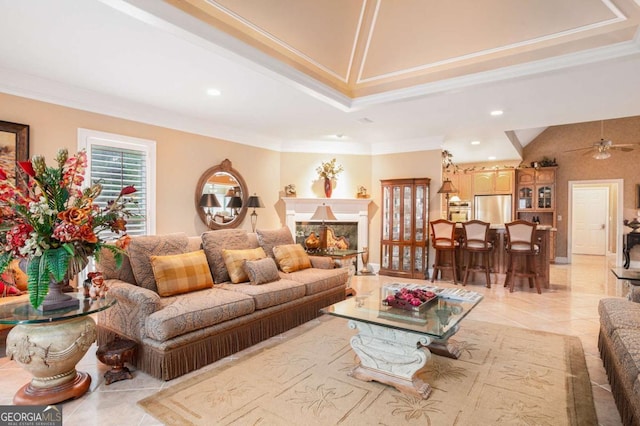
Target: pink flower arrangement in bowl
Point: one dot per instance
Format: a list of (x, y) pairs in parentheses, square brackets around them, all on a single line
[(409, 299), (54, 223)]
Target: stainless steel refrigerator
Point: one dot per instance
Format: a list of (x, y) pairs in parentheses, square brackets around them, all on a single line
[(495, 209)]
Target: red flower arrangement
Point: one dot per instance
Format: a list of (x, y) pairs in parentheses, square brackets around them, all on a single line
[(54, 223)]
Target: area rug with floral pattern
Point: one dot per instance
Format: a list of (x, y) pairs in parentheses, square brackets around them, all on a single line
[(505, 375)]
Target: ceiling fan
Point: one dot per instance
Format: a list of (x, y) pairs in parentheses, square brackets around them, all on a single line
[(600, 150)]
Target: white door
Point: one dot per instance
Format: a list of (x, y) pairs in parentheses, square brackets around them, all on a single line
[(589, 222)]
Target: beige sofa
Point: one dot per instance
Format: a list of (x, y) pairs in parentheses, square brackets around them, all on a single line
[(180, 333), (619, 345)]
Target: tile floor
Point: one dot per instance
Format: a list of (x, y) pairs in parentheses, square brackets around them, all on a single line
[(568, 307)]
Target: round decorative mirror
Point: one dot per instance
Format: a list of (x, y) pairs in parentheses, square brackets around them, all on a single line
[(221, 197)]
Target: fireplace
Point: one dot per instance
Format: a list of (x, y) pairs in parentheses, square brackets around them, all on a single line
[(352, 219)]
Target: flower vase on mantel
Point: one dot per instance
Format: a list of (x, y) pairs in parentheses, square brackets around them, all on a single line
[(327, 187)]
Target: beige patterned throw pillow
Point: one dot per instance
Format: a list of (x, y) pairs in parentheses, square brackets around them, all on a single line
[(270, 238), (213, 242), (143, 247), (291, 257), (181, 273), (234, 260), (261, 271)]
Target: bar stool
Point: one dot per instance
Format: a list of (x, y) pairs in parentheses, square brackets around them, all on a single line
[(476, 242), (443, 241), (522, 249)]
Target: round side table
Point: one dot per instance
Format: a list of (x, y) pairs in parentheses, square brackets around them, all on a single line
[(49, 345)]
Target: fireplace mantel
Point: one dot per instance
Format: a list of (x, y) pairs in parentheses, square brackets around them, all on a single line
[(345, 210)]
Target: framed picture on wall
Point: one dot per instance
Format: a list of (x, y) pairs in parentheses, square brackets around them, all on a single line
[(14, 146)]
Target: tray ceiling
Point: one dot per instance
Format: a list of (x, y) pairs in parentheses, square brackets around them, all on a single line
[(366, 47)]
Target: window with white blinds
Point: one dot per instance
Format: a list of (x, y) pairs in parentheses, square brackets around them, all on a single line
[(116, 161), (114, 169)]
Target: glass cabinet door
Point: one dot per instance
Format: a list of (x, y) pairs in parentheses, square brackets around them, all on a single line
[(525, 198), (408, 214), (395, 219), (386, 212), (545, 197)]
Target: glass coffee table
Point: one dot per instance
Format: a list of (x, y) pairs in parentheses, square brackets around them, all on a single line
[(393, 344)]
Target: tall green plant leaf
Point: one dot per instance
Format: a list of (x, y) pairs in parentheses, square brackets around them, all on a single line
[(57, 262), (5, 260), (38, 281)]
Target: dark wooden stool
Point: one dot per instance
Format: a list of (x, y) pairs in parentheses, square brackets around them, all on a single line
[(115, 354)]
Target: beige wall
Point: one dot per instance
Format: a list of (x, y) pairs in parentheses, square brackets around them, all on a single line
[(577, 166)]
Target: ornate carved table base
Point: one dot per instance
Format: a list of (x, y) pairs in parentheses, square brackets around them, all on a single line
[(446, 347), (50, 352), (391, 356)]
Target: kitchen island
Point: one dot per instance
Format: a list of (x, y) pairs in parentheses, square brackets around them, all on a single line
[(499, 257)]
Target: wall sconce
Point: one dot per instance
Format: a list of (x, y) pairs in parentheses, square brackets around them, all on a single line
[(208, 202), (323, 213), (255, 202)]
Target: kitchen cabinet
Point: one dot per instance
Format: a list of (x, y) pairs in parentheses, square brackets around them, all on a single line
[(536, 198), (462, 182), (404, 245), (493, 182), (536, 195)]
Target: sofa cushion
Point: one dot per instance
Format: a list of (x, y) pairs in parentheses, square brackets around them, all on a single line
[(142, 248), (106, 263), (270, 238), (181, 273), (626, 346), (196, 310), (234, 261), (319, 280), (616, 313), (291, 257), (322, 262), (213, 242), (261, 271), (270, 294), (194, 243)]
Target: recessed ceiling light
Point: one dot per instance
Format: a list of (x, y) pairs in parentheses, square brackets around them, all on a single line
[(493, 157), (213, 92), (497, 112), (475, 142)]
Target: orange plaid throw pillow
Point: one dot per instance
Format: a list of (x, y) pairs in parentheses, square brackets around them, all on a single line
[(291, 257), (181, 273)]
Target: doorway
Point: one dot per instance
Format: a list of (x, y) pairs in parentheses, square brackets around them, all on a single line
[(595, 209), (589, 221)]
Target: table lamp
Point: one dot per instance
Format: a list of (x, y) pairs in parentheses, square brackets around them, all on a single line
[(208, 202), (235, 203), (255, 202), (323, 213), (447, 188)]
